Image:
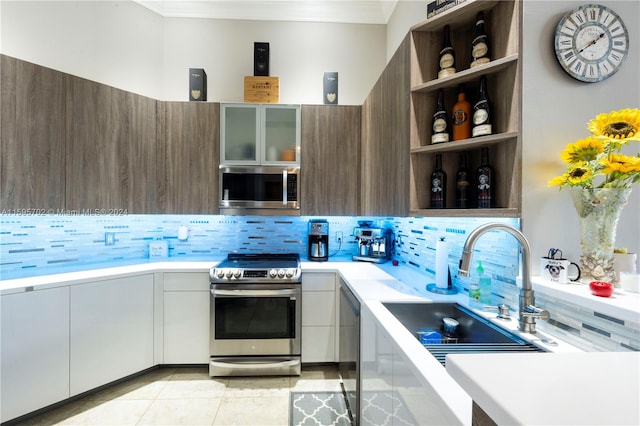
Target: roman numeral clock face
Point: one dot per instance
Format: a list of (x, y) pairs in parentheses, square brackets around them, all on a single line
[(591, 43)]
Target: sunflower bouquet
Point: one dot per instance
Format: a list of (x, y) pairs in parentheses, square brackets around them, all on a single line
[(596, 161)]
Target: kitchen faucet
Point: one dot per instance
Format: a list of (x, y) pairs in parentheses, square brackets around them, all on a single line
[(528, 312)]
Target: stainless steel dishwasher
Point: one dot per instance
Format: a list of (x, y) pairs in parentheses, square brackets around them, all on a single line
[(349, 349)]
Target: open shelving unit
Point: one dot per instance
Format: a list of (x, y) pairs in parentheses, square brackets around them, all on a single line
[(503, 24)]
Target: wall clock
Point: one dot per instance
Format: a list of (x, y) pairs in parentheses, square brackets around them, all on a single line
[(591, 42)]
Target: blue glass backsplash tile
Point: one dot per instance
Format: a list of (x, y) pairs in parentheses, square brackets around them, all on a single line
[(39, 245)]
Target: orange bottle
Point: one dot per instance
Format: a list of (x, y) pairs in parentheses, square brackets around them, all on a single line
[(461, 117)]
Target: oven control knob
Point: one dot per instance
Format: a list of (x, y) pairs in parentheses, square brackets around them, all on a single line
[(229, 273), (273, 273), (237, 273), (220, 273), (289, 273), (281, 273)]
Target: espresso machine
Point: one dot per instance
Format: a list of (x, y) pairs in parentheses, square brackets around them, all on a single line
[(318, 240), (374, 244)]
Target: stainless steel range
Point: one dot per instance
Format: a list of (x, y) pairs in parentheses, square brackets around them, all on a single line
[(256, 304)]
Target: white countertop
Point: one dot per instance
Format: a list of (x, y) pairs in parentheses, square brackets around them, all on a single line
[(596, 388), (622, 304), (69, 278)]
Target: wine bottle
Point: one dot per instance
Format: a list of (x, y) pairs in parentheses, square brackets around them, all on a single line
[(438, 185), (462, 184), (480, 43), (461, 117), (481, 112), (447, 55), (441, 126), (485, 182)]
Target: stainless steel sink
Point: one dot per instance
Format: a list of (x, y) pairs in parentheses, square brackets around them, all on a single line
[(474, 334)]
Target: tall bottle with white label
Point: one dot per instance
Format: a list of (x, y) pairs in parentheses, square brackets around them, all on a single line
[(480, 43), (481, 119), (447, 55), (441, 125)]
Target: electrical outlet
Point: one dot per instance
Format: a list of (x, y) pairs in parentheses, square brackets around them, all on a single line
[(338, 237), (109, 238)]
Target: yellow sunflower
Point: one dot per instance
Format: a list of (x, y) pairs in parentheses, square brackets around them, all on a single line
[(621, 163), (559, 180), (580, 175), (596, 161), (622, 124), (586, 149)]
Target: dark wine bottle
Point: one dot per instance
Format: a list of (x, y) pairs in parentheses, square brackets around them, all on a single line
[(480, 43), (438, 185), (440, 125), (481, 112), (461, 117), (462, 184), (447, 55), (485, 177)]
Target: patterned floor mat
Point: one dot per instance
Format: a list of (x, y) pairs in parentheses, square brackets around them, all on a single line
[(318, 409)]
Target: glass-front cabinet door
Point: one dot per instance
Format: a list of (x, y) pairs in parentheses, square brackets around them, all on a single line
[(240, 133), (281, 134), (260, 134)]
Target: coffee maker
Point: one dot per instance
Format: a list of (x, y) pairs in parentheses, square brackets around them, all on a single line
[(374, 244), (318, 240)]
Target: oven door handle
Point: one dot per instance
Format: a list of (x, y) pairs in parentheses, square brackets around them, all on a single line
[(255, 293)]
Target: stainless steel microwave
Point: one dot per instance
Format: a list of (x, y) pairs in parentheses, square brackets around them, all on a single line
[(265, 190)]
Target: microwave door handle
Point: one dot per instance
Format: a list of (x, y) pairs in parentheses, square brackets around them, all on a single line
[(284, 187)]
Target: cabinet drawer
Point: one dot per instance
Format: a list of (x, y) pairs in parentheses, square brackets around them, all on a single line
[(186, 281), (319, 281)]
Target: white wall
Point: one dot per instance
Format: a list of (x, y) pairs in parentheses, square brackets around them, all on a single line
[(556, 109), (113, 42), (406, 14), (125, 45), (300, 53)]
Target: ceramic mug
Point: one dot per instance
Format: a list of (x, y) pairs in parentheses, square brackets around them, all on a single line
[(557, 270)]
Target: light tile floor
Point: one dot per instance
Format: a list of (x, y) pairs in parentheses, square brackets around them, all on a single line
[(188, 396)]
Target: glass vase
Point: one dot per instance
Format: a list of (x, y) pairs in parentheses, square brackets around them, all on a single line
[(599, 211)]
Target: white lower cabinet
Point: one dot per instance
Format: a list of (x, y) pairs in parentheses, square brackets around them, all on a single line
[(186, 318), (319, 317), (34, 365), (111, 330)]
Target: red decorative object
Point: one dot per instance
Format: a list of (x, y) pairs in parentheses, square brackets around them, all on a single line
[(601, 288)]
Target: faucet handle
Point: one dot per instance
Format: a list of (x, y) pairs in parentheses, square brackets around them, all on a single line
[(503, 311), (535, 312)]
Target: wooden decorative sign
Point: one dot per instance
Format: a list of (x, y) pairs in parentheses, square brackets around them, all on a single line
[(262, 89)]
